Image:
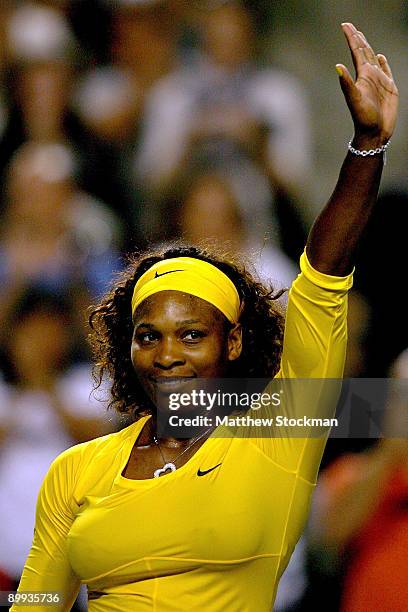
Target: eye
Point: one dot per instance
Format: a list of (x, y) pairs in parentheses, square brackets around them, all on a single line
[(146, 337), (193, 335)]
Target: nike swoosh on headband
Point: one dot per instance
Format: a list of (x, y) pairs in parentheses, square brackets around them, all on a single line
[(163, 273), (204, 472)]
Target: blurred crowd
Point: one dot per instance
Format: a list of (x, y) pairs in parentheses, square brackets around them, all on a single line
[(129, 123)]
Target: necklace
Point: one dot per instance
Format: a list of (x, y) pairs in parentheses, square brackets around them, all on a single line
[(170, 465)]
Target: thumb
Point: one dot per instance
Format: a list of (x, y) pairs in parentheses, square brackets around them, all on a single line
[(346, 82)]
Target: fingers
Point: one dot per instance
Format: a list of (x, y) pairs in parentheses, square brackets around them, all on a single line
[(361, 51), (363, 55), (384, 65), (353, 42), (368, 53)]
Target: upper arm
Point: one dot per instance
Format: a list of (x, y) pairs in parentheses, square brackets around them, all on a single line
[(47, 568), (316, 325)]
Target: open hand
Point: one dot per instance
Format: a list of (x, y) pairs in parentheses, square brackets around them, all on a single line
[(373, 97)]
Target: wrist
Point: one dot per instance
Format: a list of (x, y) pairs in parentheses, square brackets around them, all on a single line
[(369, 141), (379, 149)]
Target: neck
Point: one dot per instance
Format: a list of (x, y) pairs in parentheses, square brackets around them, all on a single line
[(149, 434)]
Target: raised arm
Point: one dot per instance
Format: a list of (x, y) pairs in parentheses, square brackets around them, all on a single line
[(373, 103)]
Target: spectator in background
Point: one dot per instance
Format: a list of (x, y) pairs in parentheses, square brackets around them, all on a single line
[(225, 97), (43, 91), (110, 102), (41, 45), (212, 209), (222, 108), (108, 105), (52, 234), (44, 60), (40, 52), (45, 407), (144, 40), (359, 526)]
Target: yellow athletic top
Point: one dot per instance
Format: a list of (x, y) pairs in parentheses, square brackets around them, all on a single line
[(216, 543)]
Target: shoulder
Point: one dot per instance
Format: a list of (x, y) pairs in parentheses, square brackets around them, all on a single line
[(77, 458), (76, 470)]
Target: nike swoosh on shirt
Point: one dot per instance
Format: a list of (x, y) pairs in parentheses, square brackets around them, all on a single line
[(163, 273), (204, 472)]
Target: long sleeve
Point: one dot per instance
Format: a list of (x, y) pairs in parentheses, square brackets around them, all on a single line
[(47, 568), (314, 348), (316, 325)]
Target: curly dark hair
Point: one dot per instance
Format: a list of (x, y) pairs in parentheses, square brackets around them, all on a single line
[(111, 333)]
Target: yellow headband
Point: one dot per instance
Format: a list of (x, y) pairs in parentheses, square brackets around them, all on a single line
[(192, 276)]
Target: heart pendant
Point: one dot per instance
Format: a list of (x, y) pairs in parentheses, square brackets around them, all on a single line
[(164, 469)]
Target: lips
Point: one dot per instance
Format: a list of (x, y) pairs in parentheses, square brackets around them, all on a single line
[(171, 382)]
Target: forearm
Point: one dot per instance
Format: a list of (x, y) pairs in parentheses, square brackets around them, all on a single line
[(334, 237)]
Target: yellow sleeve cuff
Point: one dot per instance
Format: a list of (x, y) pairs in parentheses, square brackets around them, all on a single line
[(326, 281)]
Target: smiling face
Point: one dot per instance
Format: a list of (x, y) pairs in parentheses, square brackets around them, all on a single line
[(178, 337)]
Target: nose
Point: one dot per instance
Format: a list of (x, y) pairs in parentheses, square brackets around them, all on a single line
[(168, 354)]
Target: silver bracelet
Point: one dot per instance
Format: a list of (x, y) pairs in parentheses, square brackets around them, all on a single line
[(364, 153)]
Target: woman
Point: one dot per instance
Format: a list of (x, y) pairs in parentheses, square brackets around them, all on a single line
[(216, 533)]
